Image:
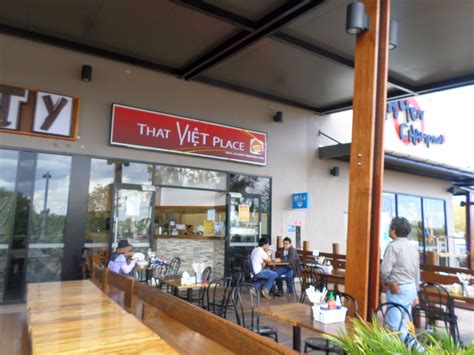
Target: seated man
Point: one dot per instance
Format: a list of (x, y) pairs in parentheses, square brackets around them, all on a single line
[(259, 257), (290, 254), (121, 261)]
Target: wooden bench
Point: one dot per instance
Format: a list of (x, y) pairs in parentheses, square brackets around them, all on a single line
[(125, 284), (99, 277), (228, 335)]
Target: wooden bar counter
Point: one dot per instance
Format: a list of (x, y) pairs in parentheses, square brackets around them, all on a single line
[(76, 317)]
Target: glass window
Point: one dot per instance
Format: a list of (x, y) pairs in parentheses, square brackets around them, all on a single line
[(434, 225), (99, 204), (388, 212), (190, 212), (136, 173), (48, 217), (410, 208), (257, 185), (457, 242), (9, 164), (186, 177)]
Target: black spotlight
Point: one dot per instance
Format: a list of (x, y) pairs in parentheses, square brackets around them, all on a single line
[(86, 74), (335, 171), (357, 20), (393, 35), (278, 117)]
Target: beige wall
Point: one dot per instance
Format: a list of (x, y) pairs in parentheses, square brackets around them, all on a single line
[(292, 146)]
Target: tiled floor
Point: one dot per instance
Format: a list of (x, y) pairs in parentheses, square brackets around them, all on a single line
[(13, 334)]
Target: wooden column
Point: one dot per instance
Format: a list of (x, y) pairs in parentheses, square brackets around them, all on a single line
[(336, 249), (363, 164), (279, 242), (306, 246), (470, 229), (380, 113)]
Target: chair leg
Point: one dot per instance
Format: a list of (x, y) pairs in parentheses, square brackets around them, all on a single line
[(276, 337)]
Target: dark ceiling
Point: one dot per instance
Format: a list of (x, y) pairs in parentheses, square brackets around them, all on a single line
[(294, 51)]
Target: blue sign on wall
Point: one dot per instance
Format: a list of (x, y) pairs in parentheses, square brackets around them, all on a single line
[(299, 200)]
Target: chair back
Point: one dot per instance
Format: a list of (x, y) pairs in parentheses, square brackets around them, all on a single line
[(248, 269), (349, 302), (394, 315), (311, 276), (244, 303), (237, 277), (218, 296), (174, 266), (157, 272), (206, 276), (434, 298)]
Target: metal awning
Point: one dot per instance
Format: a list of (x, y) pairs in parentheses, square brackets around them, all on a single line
[(405, 164), (294, 52)]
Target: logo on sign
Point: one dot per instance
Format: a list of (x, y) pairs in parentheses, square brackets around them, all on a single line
[(300, 200), (409, 122), (256, 146)]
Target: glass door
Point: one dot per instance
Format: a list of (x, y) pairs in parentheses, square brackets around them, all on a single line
[(244, 220), (132, 215)]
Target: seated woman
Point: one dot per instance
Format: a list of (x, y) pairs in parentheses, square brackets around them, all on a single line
[(121, 261)]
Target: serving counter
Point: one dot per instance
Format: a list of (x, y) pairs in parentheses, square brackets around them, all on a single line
[(193, 249)]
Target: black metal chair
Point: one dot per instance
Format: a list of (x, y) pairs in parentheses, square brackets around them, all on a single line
[(244, 303), (237, 277), (174, 266), (310, 275), (390, 310), (206, 276), (437, 305), (218, 296), (321, 344), (157, 272)]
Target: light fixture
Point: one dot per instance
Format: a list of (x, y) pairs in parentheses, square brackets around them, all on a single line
[(393, 35), (357, 20), (86, 74), (278, 117), (335, 171)]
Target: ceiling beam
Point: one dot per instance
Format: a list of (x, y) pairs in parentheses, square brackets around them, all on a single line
[(452, 83), (268, 25), (248, 25)]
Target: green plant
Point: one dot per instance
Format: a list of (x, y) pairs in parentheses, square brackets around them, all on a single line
[(365, 338)]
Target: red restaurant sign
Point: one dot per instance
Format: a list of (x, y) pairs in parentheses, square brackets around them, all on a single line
[(138, 128)]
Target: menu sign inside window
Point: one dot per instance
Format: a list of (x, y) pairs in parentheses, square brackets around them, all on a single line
[(145, 129)]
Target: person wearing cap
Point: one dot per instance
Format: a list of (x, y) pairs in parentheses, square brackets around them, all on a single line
[(121, 261), (400, 271)]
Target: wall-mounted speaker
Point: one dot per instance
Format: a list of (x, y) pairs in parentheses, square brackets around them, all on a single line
[(335, 171), (278, 117)]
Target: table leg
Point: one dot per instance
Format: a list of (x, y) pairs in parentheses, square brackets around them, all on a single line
[(296, 338), (190, 295)]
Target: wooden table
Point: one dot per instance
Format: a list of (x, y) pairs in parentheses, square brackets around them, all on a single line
[(176, 284), (273, 263), (300, 315), (75, 316)]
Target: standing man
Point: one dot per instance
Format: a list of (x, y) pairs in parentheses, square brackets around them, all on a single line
[(258, 258), (400, 271), (289, 254)]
